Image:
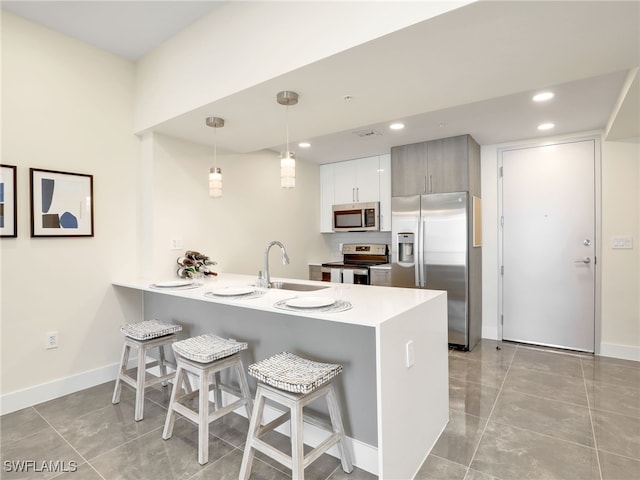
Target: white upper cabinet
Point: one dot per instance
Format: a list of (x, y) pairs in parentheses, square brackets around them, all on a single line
[(356, 181), (362, 180)]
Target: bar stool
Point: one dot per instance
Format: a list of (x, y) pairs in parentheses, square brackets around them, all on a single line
[(202, 356), (144, 336), (294, 382)]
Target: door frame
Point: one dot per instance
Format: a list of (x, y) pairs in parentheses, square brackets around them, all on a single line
[(597, 138)]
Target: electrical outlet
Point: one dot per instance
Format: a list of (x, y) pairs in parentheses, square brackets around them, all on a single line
[(50, 340), (176, 244)]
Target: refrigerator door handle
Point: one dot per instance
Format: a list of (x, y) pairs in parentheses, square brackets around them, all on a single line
[(419, 256), (423, 266)]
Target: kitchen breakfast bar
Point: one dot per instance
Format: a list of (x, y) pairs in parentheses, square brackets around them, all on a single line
[(392, 343)]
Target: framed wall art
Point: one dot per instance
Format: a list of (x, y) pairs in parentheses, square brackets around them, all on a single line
[(8, 201), (477, 222), (61, 204)]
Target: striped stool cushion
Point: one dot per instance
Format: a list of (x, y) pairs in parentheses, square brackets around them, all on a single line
[(292, 373), (207, 348), (149, 329)]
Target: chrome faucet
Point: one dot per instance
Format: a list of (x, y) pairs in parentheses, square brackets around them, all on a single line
[(285, 260)]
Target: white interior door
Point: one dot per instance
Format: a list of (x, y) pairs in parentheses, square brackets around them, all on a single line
[(548, 245)]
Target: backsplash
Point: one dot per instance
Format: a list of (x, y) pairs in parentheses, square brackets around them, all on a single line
[(337, 239)]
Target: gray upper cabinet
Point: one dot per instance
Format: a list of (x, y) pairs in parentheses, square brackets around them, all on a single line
[(408, 169), (436, 166)]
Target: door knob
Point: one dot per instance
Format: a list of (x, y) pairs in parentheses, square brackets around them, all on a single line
[(584, 260)]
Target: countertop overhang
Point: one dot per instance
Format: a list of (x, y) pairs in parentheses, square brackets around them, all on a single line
[(371, 305)]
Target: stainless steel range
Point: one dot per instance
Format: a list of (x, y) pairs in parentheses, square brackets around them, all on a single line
[(356, 260)]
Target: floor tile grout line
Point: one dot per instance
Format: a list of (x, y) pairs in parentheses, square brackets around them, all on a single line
[(516, 427), (593, 430), (332, 472), (564, 402), (213, 463), (68, 443), (125, 443), (6, 444), (447, 459), (614, 413), (484, 429), (635, 459), (613, 384)]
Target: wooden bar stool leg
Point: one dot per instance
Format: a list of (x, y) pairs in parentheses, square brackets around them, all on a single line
[(217, 393), (244, 388), (123, 367), (140, 378), (162, 365), (171, 414), (336, 422), (254, 426), (297, 445), (203, 427)]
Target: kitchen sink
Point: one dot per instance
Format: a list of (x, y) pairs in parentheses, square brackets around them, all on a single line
[(300, 287)]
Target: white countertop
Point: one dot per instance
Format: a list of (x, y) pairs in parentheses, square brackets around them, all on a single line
[(372, 305)]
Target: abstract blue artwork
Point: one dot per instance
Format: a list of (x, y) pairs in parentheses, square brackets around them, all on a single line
[(62, 204)]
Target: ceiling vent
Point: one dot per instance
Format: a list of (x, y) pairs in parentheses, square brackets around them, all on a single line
[(367, 133)]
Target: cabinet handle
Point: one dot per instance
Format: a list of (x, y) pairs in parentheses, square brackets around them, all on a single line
[(353, 194), (430, 184), (357, 194), (425, 185)]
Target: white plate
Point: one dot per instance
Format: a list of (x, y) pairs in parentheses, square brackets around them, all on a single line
[(310, 302), (173, 283), (232, 291)]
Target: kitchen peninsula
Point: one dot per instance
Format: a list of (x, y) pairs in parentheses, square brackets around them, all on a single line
[(392, 344)]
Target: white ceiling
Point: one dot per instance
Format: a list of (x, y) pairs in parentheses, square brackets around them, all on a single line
[(472, 70)]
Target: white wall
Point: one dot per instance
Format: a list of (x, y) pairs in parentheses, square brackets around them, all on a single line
[(242, 44), (234, 229), (65, 106), (620, 269)]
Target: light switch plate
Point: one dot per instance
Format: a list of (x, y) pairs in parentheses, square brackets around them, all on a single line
[(623, 241)]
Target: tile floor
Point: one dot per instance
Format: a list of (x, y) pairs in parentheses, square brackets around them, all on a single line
[(515, 413)]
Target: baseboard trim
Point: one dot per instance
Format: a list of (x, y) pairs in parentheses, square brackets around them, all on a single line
[(10, 402), (625, 352)]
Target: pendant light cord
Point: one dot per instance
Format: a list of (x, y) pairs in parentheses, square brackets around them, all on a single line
[(287, 119)]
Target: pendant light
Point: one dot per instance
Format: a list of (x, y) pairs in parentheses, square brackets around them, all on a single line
[(288, 159), (215, 173)]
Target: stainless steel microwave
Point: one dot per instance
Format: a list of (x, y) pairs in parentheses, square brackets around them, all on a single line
[(356, 217)]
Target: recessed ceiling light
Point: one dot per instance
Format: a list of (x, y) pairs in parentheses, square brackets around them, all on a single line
[(304, 144), (543, 96), (396, 126), (546, 126)]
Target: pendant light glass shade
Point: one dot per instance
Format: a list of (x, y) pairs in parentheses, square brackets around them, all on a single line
[(215, 182), (215, 173), (288, 170), (288, 159)]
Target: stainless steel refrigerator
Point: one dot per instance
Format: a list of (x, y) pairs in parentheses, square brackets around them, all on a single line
[(430, 242)]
